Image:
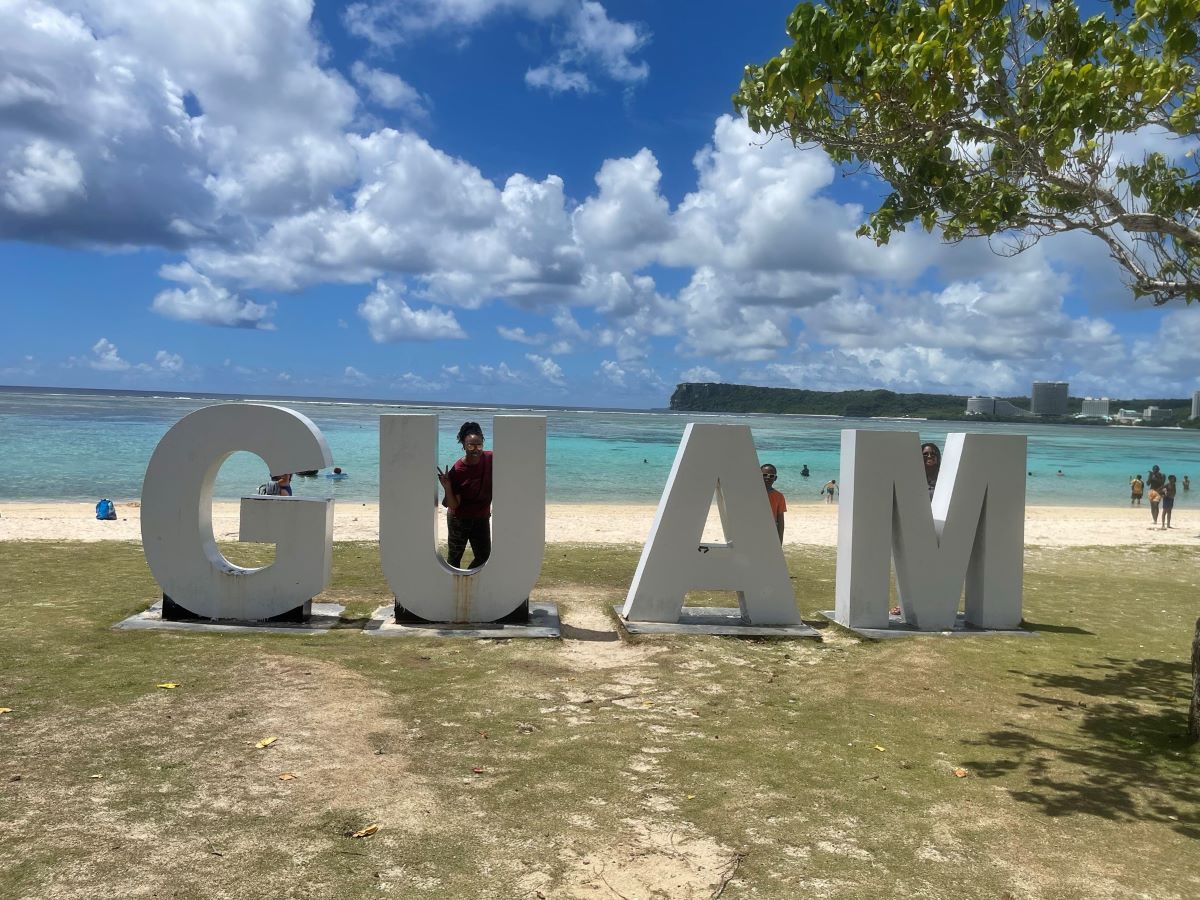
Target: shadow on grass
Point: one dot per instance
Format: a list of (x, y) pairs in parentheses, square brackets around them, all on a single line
[(1126, 759), (1055, 629)]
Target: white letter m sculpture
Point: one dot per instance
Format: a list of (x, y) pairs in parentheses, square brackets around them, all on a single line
[(972, 533)]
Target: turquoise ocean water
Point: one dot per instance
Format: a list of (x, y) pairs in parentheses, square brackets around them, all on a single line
[(59, 445)]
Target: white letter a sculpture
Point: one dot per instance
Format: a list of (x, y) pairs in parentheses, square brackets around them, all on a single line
[(674, 561)]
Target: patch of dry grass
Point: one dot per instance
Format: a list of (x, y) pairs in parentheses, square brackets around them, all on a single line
[(607, 767)]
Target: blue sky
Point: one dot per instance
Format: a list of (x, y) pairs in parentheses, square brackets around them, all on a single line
[(510, 201)]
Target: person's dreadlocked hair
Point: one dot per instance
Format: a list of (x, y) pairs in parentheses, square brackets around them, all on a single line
[(469, 428)]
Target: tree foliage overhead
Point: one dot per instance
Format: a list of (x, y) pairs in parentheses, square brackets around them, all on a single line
[(990, 118)]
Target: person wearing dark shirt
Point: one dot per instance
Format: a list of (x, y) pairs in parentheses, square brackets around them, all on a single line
[(468, 499), (932, 457)]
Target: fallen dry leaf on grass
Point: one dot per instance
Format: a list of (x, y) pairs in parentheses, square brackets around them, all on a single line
[(265, 742), (288, 776), (366, 832), (477, 770), (960, 773), (168, 685), (5, 709), (880, 749)]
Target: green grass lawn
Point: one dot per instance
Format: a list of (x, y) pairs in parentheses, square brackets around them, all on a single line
[(598, 765)]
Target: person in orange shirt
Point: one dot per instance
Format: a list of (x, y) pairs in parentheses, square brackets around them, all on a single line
[(778, 503)]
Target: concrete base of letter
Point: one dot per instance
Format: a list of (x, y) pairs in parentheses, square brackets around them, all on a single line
[(519, 616), (897, 627), (174, 612), (542, 623), (322, 617), (721, 620)]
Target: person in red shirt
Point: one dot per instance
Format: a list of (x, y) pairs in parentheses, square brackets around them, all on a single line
[(778, 503), (468, 499)]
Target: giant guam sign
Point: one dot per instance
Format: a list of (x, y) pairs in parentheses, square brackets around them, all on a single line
[(966, 544)]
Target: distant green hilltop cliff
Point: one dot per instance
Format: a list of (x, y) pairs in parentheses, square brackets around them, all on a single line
[(747, 398)]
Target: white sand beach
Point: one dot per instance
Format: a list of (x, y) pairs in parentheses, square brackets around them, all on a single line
[(1047, 526)]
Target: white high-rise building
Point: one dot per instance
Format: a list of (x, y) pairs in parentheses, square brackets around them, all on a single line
[(1049, 398), (1196, 405), (1095, 407)]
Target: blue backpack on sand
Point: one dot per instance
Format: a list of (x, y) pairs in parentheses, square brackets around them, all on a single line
[(105, 509)]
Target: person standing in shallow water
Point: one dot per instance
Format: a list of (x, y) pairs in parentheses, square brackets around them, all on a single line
[(1136, 489), (776, 499), (468, 499)]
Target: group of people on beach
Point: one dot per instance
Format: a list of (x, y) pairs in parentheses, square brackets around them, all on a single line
[(467, 493), (931, 457), (1162, 490), (779, 504)]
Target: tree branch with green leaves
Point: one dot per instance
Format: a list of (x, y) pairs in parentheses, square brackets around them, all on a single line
[(1007, 121)]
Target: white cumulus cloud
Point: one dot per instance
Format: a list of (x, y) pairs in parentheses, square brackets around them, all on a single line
[(42, 179), (208, 303), (105, 357), (389, 319), (548, 370), (588, 41), (699, 374), (390, 90), (610, 371), (171, 363)]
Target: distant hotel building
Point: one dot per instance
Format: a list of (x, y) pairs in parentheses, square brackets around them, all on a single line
[(1196, 405), (1157, 414), (1049, 398), (1095, 407), (990, 406)]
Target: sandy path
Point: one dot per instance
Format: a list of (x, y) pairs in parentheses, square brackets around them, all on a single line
[(1051, 526)]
